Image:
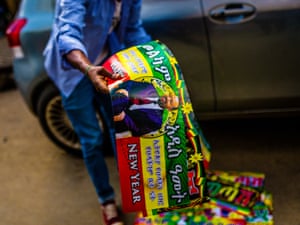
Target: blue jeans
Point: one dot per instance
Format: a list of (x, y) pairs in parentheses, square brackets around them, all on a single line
[(82, 111)]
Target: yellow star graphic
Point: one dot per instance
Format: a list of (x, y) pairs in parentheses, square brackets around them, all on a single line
[(187, 108), (196, 158)]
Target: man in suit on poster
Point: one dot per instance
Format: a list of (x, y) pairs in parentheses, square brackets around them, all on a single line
[(138, 108)]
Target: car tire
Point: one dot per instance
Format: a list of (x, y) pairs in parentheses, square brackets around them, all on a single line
[(54, 121)]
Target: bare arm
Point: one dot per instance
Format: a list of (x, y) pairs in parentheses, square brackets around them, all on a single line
[(96, 74)]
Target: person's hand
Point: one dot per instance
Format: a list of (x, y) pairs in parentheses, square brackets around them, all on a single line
[(98, 76)]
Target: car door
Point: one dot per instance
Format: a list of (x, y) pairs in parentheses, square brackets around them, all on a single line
[(179, 25), (255, 47)]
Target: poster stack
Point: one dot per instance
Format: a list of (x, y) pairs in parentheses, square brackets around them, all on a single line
[(236, 198)]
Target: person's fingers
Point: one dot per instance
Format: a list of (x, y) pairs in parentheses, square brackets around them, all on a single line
[(100, 84), (102, 71), (103, 86)]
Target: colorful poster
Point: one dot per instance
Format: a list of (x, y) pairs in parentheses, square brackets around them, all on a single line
[(162, 154), (228, 204)]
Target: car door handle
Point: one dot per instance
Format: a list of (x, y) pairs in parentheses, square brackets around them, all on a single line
[(232, 13)]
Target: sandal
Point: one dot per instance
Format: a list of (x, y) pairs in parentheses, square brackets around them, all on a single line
[(111, 213)]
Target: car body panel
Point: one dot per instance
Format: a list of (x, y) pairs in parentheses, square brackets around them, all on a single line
[(29, 72), (179, 24), (256, 61)]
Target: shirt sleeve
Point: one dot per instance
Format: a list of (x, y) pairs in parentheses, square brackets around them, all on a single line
[(70, 23)]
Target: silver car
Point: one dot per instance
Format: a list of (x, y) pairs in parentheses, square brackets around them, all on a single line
[(237, 57)]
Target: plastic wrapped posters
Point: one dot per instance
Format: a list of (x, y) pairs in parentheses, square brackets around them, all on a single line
[(232, 202), (162, 154)]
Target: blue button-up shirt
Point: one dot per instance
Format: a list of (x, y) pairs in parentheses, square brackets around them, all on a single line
[(84, 25)]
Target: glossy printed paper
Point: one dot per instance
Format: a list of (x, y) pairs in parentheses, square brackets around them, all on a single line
[(162, 153)]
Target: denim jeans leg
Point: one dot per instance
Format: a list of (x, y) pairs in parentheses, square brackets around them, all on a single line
[(105, 108), (81, 111)]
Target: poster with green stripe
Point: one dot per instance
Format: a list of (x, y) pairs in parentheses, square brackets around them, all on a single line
[(162, 153)]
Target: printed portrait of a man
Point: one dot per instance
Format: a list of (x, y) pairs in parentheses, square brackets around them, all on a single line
[(138, 108)]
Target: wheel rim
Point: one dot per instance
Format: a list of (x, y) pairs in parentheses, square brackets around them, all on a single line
[(59, 124)]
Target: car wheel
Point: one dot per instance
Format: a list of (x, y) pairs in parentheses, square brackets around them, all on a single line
[(55, 122)]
